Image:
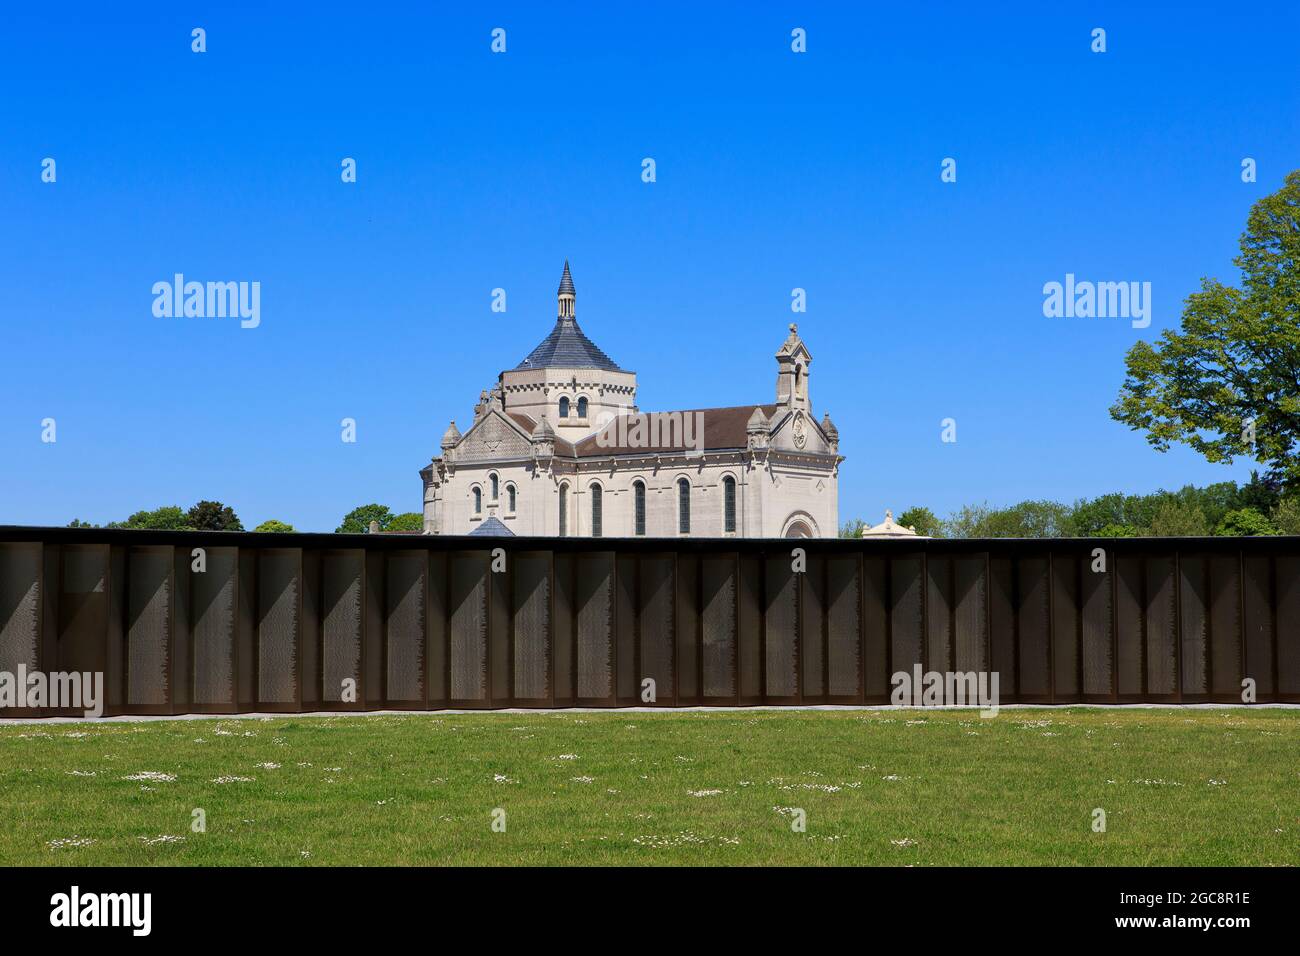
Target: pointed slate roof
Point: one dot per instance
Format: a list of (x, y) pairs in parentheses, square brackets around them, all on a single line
[(568, 347), (493, 528)]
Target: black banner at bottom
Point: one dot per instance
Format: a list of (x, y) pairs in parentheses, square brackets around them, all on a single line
[(346, 906)]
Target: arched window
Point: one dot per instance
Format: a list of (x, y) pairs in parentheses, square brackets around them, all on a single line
[(478, 500), (683, 506), (596, 495), (510, 498), (638, 495), (729, 505), (564, 407), (582, 407), (492, 482), (564, 510)]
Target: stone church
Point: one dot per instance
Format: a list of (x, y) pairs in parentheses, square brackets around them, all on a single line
[(558, 447)]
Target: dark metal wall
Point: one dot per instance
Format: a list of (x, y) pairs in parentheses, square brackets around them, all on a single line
[(283, 622)]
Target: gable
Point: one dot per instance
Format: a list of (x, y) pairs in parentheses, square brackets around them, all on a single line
[(799, 431), (492, 438)]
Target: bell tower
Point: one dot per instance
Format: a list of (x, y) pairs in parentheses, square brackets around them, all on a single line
[(792, 363)]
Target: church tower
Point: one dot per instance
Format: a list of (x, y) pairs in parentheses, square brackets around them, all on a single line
[(792, 363), (567, 379)]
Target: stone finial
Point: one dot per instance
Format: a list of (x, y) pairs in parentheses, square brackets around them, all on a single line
[(451, 437), (374, 526), (567, 296), (829, 428)]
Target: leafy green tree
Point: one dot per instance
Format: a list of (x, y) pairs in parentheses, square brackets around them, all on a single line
[(167, 518), (969, 521), (1117, 531), (407, 521), (278, 527), (1089, 516), (1262, 494), (1244, 522), (357, 521), (1179, 518), (923, 520), (1286, 516), (1028, 519), (852, 528), (213, 516), (1228, 382), (78, 523)]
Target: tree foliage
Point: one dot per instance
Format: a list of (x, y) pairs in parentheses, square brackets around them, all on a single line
[(1257, 507), (407, 521), (357, 521), (1227, 383), (923, 520), (213, 516), (166, 518), (1028, 519), (1245, 522), (271, 525)]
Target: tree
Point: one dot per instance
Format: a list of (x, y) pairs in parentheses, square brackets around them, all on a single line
[(213, 516), (1117, 531), (78, 523), (1286, 516), (1179, 518), (407, 521), (275, 527), (1028, 519), (970, 521), (1089, 517), (167, 518), (357, 521), (852, 528), (923, 520), (1228, 383), (1244, 522)]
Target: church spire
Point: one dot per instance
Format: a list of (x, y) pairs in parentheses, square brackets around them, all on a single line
[(567, 295)]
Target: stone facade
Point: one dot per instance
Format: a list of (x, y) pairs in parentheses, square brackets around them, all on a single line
[(558, 447)]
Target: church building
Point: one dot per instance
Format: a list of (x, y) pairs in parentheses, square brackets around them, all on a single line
[(559, 447)]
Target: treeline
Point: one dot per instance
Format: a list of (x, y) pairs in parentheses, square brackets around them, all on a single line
[(215, 516), (1258, 507)]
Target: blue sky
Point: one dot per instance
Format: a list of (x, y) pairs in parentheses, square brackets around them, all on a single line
[(476, 171)]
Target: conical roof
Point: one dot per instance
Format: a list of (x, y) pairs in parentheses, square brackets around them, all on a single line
[(568, 347)]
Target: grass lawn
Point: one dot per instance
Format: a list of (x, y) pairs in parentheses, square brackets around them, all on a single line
[(1209, 787)]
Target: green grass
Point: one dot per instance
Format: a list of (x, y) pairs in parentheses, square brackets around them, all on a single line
[(1207, 787)]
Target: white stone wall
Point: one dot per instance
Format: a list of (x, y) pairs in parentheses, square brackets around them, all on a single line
[(537, 393), (767, 499)]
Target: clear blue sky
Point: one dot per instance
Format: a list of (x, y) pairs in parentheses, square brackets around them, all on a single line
[(477, 171)]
